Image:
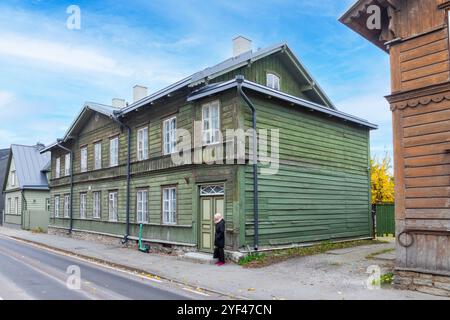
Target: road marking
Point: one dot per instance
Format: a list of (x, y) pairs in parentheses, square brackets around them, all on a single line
[(197, 292)]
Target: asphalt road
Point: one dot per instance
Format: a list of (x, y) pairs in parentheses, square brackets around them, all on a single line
[(28, 272)]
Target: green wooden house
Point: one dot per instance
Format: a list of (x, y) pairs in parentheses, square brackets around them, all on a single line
[(114, 169)]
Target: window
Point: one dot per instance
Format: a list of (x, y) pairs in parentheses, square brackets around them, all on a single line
[(83, 159), (9, 209), (212, 191), (170, 135), (142, 206), (83, 200), (97, 156), (67, 206), (16, 205), (47, 205), (113, 206), (96, 205), (58, 168), (56, 206), (211, 123), (114, 152), (13, 178), (170, 205), (67, 165), (142, 144), (273, 81)]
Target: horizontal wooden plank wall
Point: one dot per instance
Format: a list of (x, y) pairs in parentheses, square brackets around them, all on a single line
[(321, 191)]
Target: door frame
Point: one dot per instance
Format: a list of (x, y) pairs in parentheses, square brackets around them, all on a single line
[(199, 207)]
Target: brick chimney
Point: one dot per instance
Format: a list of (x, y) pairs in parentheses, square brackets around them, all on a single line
[(118, 103), (241, 45), (139, 92)]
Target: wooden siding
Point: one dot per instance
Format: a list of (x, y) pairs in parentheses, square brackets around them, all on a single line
[(321, 191)]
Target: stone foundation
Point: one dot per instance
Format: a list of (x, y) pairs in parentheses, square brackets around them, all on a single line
[(171, 249), (422, 282)]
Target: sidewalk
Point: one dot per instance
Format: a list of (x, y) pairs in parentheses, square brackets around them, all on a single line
[(335, 275)]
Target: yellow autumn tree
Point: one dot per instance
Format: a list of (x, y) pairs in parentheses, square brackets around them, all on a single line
[(382, 180)]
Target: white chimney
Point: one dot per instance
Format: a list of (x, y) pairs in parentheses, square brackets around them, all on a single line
[(241, 45), (118, 103), (139, 92)]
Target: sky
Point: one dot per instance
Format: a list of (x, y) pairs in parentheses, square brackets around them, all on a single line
[(48, 71)]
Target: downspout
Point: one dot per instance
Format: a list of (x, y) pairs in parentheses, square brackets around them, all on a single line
[(240, 80), (58, 142), (127, 230)]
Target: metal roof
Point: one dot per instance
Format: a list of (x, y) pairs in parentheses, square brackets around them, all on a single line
[(223, 86), (30, 164), (227, 66)]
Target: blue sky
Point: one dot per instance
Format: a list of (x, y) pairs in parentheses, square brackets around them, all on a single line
[(47, 71)]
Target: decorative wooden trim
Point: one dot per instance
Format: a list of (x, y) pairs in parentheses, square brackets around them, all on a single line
[(445, 5), (420, 97)]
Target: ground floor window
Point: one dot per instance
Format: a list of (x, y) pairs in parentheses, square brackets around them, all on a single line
[(67, 206), (142, 206), (83, 200), (56, 206), (169, 205), (9, 210), (96, 205), (16, 205), (47, 204), (113, 198)]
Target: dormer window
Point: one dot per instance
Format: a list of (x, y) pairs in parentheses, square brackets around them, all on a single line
[(273, 81)]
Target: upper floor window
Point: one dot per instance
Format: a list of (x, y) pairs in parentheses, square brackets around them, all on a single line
[(142, 144), (83, 203), (56, 204), (170, 135), (211, 123), (13, 178), (97, 156), (273, 81), (114, 152), (83, 159), (142, 206), (170, 205), (67, 164), (58, 168)]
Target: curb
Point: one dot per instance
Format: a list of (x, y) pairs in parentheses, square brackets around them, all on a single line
[(125, 268)]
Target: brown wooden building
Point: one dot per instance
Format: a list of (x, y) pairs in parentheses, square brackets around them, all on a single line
[(416, 35)]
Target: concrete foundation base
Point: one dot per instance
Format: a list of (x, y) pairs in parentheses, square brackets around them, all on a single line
[(423, 282)]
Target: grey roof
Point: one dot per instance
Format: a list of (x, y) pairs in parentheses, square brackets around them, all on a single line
[(30, 166), (223, 86), (4, 155), (227, 66)]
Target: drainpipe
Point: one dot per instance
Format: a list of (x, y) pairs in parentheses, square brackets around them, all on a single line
[(240, 80), (127, 230), (58, 142)]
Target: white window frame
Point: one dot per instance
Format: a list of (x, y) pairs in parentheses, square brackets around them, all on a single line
[(169, 199), (8, 204), (142, 206), (58, 168), (83, 205), (13, 178), (113, 206), (84, 159), (56, 206), (273, 81), (96, 205), (114, 152), (142, 144), (97, 156), (67, 164), (48, 207), (210, 125), (66, 206), (16, 205), (170, 135)]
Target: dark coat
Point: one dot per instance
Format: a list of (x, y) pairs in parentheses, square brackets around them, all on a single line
[(219, 241)]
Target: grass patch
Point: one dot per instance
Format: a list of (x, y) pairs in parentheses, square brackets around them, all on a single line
[(385, 280), (372, 256), (37, 230), (260, 260)]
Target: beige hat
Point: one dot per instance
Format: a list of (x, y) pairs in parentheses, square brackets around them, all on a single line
[(217, 218)]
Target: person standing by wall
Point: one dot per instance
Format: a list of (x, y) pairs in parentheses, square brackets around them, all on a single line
[(219, 241)]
